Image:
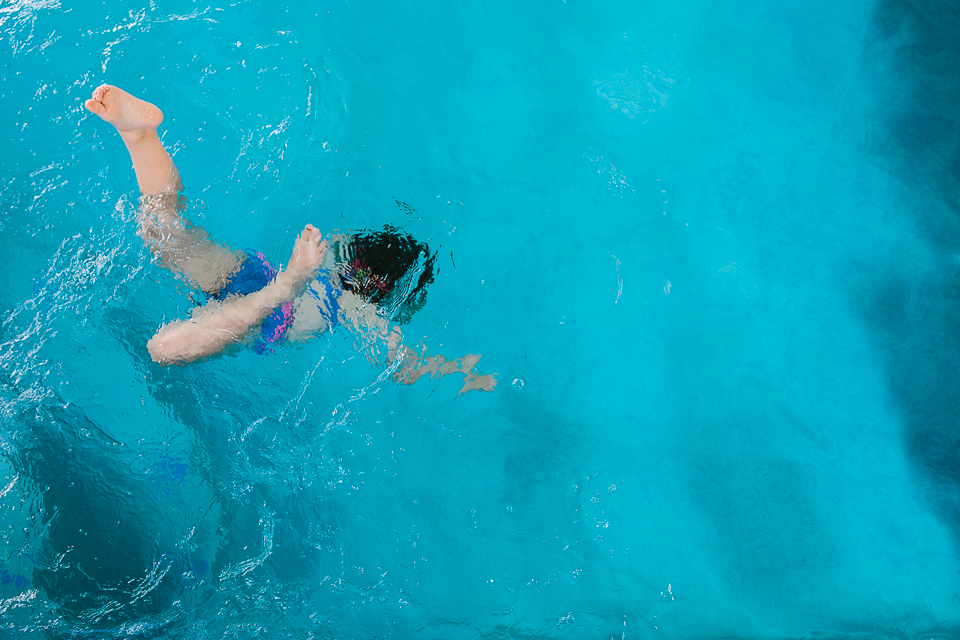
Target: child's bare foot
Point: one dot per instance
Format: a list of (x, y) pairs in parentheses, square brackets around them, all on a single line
[(131, 116), (309, 250)]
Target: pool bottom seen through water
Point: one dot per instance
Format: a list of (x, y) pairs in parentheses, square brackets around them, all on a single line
[(707, 250)]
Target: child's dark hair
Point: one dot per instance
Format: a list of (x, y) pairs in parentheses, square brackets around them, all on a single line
[(390, 268)]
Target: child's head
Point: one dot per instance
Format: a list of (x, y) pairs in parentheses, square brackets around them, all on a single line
[(389, 268)]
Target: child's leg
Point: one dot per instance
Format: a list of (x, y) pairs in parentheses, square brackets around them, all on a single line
[(181, 248)]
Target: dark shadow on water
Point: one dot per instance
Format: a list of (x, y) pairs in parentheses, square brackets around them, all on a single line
[(915, 49), (919, 326), (98, 548), (916, 52)]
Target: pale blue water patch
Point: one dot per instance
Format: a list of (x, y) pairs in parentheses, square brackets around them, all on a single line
[(699, 244)]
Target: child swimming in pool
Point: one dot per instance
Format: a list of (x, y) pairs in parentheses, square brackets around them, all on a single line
[(249, 301)]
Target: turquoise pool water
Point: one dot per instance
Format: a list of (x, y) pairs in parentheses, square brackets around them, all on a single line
[(711, 250)]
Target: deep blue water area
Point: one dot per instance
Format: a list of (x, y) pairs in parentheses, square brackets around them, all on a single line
[(711, 251)]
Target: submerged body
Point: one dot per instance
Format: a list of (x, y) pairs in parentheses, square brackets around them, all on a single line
[(249, 300)]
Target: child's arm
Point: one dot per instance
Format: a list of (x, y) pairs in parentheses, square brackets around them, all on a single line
[(417, 365), (362, 318)]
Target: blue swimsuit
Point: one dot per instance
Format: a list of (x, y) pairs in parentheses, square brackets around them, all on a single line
[(254, 274)]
